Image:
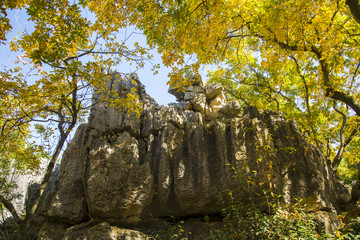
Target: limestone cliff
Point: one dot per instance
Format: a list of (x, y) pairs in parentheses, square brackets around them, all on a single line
[(182, 160)]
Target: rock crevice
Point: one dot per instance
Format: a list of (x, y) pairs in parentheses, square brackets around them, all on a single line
[(183, 159)]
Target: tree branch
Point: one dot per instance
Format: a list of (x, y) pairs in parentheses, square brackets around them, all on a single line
[(335, 163), (64, 133), (338, 156), (354, 9), (307, 101), (9, 206), (330, 92), (324, 66), (340, 96)]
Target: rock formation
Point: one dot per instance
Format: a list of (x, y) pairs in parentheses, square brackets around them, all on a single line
[(181, 160)]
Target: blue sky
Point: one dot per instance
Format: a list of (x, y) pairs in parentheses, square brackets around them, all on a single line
[(155, 84)]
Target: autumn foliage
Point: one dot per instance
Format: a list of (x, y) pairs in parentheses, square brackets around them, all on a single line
[(299, 57)]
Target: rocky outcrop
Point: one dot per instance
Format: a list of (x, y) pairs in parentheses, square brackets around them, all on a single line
[(207, 100), (56, 231), (187, 159)]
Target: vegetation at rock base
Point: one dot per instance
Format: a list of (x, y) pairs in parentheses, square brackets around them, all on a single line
[(299, 57), (246, 222)]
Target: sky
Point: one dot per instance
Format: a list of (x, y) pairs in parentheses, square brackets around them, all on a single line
[(155, 84)]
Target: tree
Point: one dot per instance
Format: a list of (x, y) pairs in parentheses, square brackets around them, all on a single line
[(299, 57), (68, 56), (5, 25)]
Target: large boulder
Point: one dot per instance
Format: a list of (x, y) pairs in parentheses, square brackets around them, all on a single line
[(173, 161), (207, 100), (88, 230), (118, 187)]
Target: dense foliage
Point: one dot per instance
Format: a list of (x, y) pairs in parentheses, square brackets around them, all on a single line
[(299, 57), (62, 57)]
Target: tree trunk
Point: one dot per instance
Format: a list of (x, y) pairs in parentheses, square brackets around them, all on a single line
[(64, 133), (354, 9), (9, 206), (25, 226)]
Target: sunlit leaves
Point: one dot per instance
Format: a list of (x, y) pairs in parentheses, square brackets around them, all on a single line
[(60, 31), (282, 55), (5, 6), (17, 154), (67, 55)]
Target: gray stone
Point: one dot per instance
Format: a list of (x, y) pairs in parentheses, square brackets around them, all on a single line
[(327, 221), (231, 109), (195, 89), (105, 118), (195, 85), (107, 232), (102, 231), (117, 185), (215, 105), (199, 103), (177, 93), (189, 96), (177, 162), (213, 90), (52, 231), (24, 187), (68, 203)]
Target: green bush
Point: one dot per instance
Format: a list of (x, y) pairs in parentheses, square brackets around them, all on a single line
[(247, 222), (244, 221)]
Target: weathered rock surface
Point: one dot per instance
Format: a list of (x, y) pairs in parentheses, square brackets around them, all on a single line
[(70, 186), (182, 160), (207, 100), (23, 187), (101, 231)]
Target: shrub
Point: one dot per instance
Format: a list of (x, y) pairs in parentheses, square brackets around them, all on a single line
[(249, 222)]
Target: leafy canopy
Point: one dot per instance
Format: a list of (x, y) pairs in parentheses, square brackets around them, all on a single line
[(298, 57), (61, 59)]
